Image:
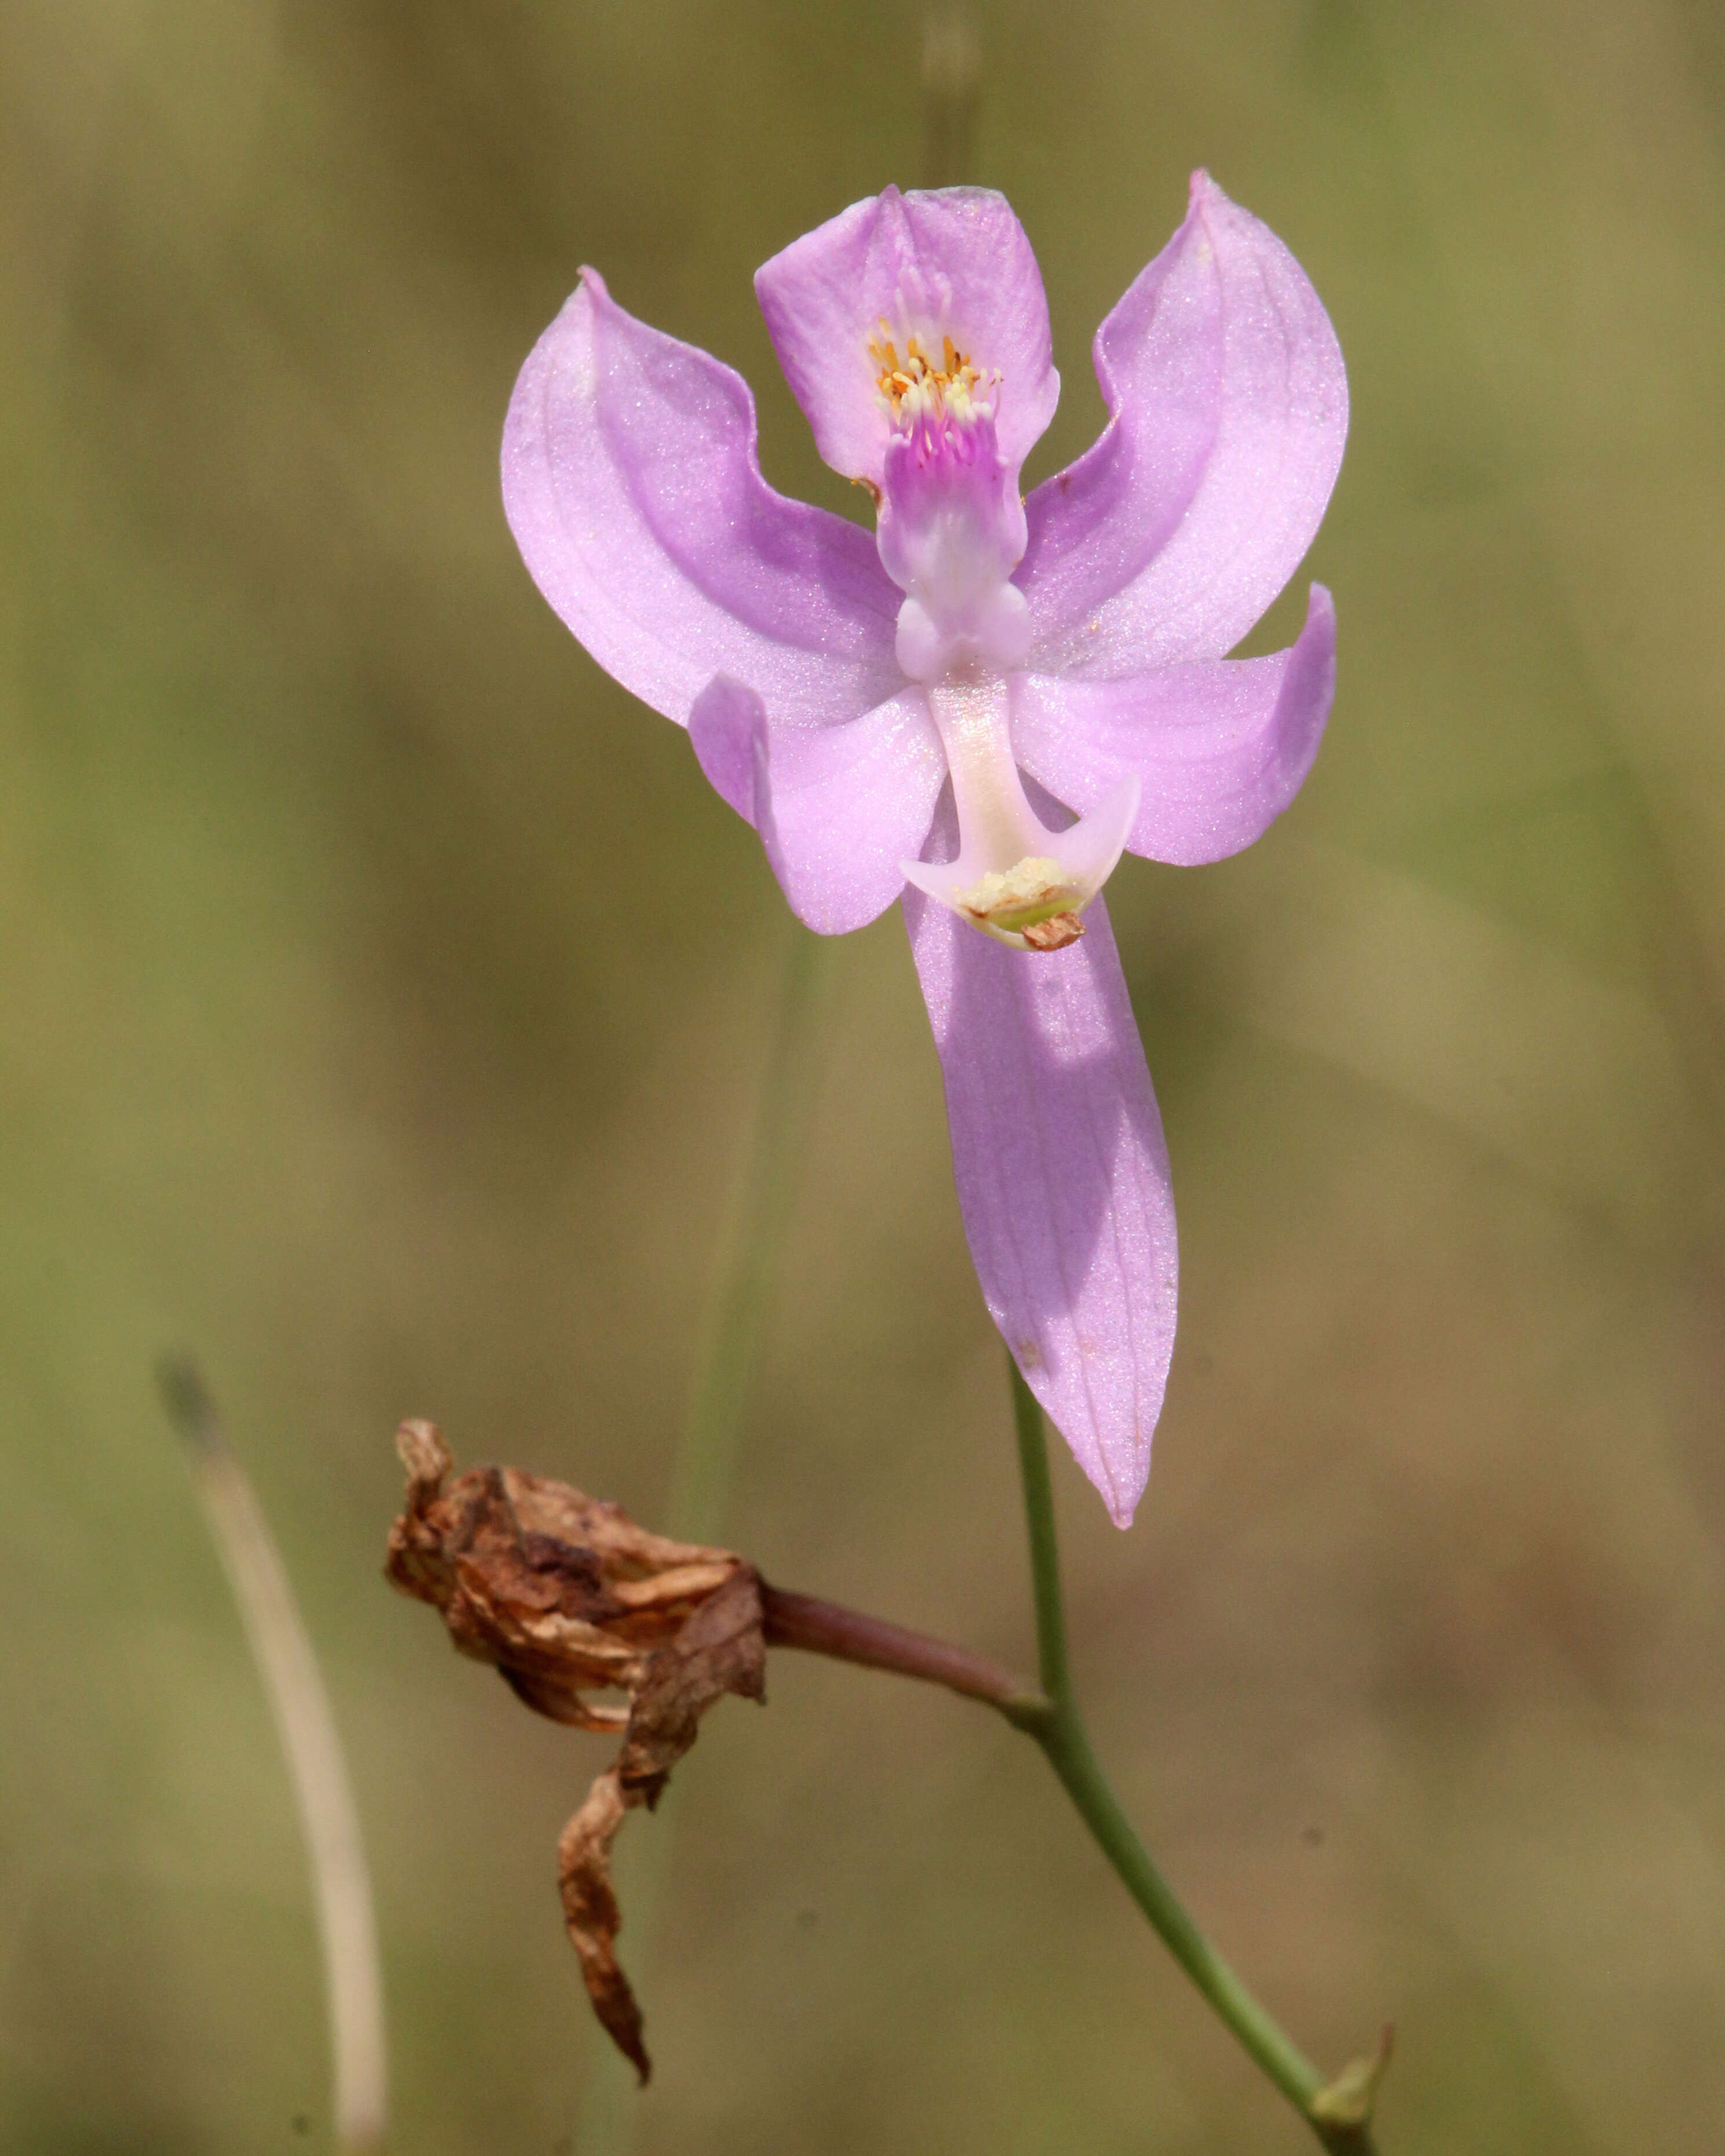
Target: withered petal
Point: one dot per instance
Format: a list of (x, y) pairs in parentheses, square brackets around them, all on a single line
[(594, 1919)]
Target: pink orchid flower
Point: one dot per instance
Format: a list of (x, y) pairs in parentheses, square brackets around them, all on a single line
[(992, 697)]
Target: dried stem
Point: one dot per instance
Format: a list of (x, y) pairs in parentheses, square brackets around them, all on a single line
[(825, 1627), (329, 1820)]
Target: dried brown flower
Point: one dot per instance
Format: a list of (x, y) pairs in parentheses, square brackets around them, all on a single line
[(565, 1595)]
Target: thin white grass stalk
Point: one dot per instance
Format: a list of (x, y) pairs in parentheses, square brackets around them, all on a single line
[(329, 1820)]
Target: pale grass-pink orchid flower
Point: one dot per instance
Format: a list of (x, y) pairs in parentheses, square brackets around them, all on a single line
[(991, 697)]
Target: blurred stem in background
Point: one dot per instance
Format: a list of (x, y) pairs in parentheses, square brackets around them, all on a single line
[(747, 1267), (745, 1273), (1338, 2111), (329, 1819), (952, 78)]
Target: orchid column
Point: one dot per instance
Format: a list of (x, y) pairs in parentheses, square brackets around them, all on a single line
[(995, 697)]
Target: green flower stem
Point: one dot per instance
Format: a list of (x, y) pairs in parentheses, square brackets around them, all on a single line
[(1057, 1726)]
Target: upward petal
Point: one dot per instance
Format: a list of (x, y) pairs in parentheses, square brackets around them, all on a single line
[(1063, 1178), (1228, 407), (631, 483), (953, 264)]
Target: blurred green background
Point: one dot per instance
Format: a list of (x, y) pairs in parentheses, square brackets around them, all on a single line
[(384, 995)]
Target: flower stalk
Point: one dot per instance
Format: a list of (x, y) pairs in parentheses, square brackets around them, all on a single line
[(1056, 1724), (847, 1636), (1337, 2110)]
